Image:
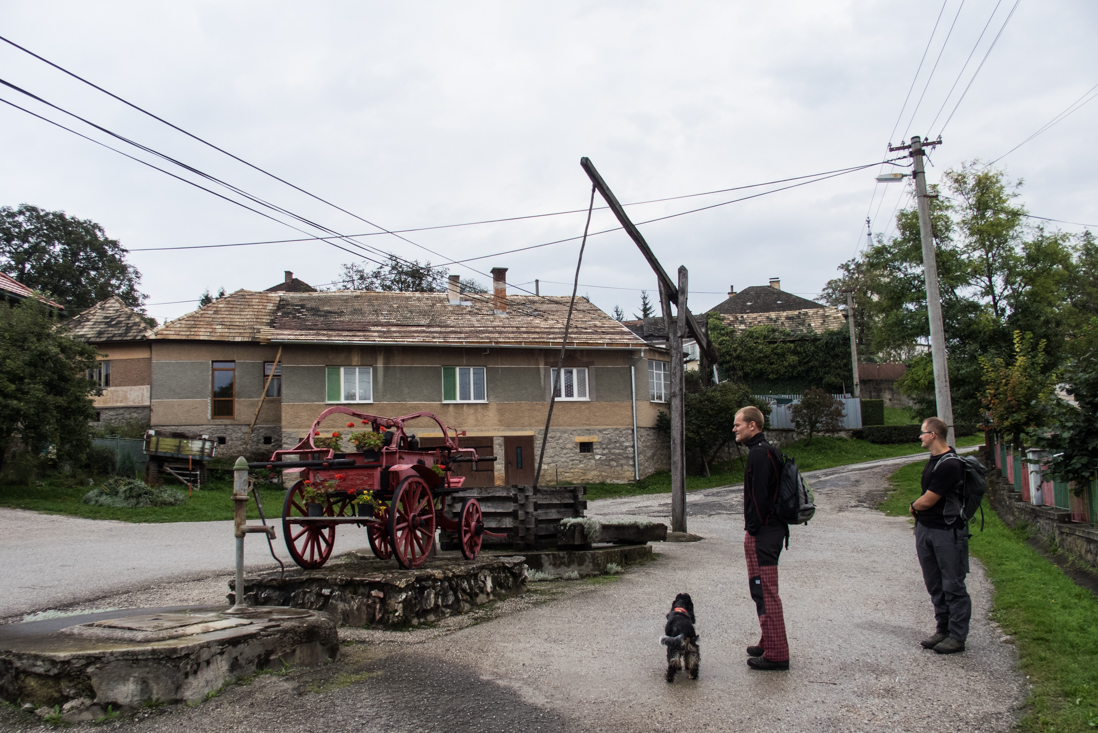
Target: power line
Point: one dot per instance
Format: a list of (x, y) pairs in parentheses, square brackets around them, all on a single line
[(935, 67), (1055, 120), (1060, 221), (917, 70), (977, 72)]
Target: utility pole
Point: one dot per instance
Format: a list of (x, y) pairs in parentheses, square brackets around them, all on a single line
[(853, 341), (933, 298)]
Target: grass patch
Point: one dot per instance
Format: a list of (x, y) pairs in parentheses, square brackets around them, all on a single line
[(340, 681), (57, 495), (1051, 618), (824, 452)]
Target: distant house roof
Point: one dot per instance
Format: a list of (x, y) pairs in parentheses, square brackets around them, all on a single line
[(766, 305), (110, 320), (371, 317), (291, 285), (12, 288), (763, 299), (654, 330)]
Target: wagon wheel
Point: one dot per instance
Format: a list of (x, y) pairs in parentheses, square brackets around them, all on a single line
[(378, 535), (310, 545), (412, 522), (472, 528)]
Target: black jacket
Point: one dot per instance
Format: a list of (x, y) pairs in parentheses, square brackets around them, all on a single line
[(760, 485)]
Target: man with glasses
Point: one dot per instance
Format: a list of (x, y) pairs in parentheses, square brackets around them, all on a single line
[(942, 547)]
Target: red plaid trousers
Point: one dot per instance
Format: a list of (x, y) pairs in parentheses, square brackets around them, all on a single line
[(764, 590)]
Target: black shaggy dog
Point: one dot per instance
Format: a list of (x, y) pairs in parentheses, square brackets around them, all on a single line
[(680, 638)]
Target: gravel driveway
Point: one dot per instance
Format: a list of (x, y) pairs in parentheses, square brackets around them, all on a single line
[(590, 659)]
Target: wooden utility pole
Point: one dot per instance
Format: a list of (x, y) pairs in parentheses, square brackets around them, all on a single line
[(678, 326), (933, 298), (853, 341)]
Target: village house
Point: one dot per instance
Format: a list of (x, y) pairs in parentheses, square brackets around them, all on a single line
[(769, 305), (483, 363)]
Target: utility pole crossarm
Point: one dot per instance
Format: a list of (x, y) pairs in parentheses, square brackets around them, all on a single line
[(665, 282)]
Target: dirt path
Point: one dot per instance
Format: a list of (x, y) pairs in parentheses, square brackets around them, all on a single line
[(590, 658)]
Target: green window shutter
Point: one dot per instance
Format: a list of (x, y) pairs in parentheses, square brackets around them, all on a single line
[(332, 390), (449, 383)]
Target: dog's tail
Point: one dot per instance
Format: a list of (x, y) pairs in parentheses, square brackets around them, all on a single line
[(673, 642)]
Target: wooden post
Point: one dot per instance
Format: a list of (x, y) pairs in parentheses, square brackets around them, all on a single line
[(675, 403)]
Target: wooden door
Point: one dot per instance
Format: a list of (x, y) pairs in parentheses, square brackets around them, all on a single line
[(520, 460)]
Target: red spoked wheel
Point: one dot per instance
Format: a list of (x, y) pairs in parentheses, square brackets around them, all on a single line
[(471, 532), (378, 535), (412, 522), (310, 545)]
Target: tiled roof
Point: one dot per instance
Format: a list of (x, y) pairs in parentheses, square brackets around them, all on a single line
[(241, 316), (806, 322), (110, 320), (12, 287), (763, 299), (654, 330), (293, 286), (367, 317)]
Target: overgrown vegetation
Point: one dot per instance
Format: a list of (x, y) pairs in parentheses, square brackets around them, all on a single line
[(817, 412), (1051, 619), (130, 493)]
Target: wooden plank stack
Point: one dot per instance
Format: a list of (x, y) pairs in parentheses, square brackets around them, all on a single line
[(529, 517)]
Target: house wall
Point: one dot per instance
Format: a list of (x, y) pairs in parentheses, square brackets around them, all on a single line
[(127, 399), (408, 380)]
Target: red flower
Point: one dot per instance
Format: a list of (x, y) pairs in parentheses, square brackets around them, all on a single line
[(365, 422), (350, 424), (307, 482), (335, 433), (340, 477)]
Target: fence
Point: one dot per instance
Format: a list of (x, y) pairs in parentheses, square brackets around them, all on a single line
[(126, 450), (781, 410), (1053, 493)]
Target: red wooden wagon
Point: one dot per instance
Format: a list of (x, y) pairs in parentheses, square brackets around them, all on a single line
[(395, 492)]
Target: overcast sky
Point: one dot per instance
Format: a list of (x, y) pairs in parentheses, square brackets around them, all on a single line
[(421, 114)]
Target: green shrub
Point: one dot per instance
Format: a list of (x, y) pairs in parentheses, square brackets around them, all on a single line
[(873, 412), (130, 493), (99, 460), (962, 429), (892, 434)]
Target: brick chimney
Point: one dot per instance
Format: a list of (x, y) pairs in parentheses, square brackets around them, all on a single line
[(731, 290), (499, 290), (289, 276), (454, 290), (776, 283)]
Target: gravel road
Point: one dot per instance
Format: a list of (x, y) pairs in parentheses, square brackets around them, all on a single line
[(589, 659)]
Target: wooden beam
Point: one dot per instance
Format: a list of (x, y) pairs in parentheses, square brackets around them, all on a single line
[(263, 396), (665, 282)]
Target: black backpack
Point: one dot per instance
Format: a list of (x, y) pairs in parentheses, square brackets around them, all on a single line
[(795, 500), (961, 505)]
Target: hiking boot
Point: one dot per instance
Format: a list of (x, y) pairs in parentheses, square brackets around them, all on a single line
[(934, 640), (950, 646), (765, 664), (757, 651)]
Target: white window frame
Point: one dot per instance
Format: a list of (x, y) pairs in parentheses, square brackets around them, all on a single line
[(659, 381), (468, 371), (343, 370), (577, 383)]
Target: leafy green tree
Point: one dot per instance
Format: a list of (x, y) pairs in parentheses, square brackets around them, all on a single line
[(402, 276), (710, 413), (44, 386), (855, 277), (70, 260), (1017, 394), (647, 311), (817, 412), (1072, 441)]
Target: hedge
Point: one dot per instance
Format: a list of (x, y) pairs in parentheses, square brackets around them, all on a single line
[(890, 434), (873, 412)]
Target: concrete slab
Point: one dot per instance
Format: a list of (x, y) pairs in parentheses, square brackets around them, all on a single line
[(128, 658), (556, 564)]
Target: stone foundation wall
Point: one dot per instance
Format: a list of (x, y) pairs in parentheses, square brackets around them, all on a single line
[(610, 459), (234, 435), (119, 415)]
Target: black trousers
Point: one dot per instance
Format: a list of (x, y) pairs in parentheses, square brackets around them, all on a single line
[(943, 556)]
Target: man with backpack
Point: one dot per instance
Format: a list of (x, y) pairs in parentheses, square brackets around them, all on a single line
[(941, 540), (765, 533)]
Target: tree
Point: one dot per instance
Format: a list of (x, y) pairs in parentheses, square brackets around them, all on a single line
[(710, 414), (402, 276), (70, 260), (647, 311), (1017, 394), (206, 298), (817, 412), (44, 386), (855, 278), (1072, 442), (618, 314)]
